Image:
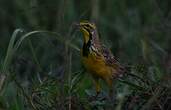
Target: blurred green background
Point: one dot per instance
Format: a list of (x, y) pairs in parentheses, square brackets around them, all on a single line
[(45, 71)]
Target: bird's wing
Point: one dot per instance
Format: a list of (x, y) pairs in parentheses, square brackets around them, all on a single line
[(109, 57), (110, 60)]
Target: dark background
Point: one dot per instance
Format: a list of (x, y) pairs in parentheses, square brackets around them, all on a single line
[(45, 72)]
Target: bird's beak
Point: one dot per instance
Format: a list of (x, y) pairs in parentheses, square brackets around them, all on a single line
[(77, 25)]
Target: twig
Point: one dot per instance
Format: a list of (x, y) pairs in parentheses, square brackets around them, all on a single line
[(152, 99), (25, 94), (2, 80)]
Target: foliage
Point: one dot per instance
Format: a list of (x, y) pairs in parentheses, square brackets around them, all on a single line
[(40, 67)]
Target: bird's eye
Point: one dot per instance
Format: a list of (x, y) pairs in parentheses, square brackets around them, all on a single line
[(87, 25)]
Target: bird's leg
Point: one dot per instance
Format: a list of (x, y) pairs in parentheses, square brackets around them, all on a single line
[(111, 98), (97, 85), (110, 84)]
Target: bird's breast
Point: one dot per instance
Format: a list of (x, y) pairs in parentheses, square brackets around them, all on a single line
[(96, 65)]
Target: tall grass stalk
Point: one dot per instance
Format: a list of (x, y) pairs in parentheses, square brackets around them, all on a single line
[(15, 43), (8, 58)]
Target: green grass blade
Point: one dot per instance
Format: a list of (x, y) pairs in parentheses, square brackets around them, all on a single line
[(57, 36), (10, 50)]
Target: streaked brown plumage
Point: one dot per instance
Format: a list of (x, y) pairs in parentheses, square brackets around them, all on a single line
[(97, 59)]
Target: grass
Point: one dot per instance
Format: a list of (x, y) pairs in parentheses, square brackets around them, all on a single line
[(40, 67), (70, 91)]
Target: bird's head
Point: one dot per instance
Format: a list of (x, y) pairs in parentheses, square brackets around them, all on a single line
[(87, 28)]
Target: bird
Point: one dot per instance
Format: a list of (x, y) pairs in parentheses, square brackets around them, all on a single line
[(97, 59)]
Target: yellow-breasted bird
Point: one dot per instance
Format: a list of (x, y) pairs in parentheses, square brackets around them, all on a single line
[(97, 59)]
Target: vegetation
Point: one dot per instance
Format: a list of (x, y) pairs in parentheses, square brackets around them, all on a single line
[(40, 67)]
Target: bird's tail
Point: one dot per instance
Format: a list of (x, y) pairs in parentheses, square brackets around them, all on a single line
[(123, 70), (127, 72)]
